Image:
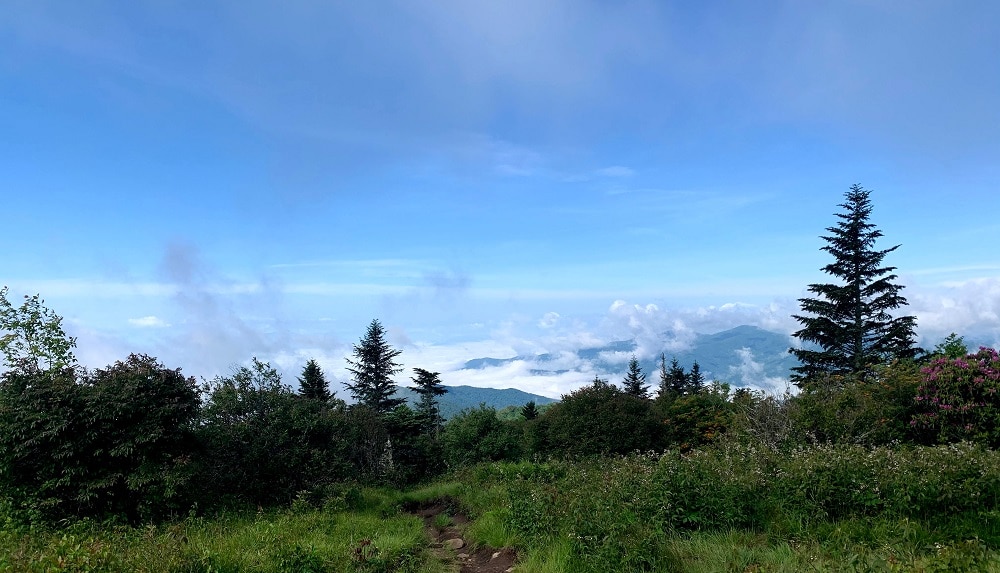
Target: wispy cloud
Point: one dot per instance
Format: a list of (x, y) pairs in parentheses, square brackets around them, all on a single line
[(969, 308), (751, 373), (148, 322), (951, 270)]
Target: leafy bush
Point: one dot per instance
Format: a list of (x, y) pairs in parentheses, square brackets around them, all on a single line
[(870, 410), (477, 435), (598, 419), (959, 399), (114, 442), (692, 420), (263, 444), (621, 511)]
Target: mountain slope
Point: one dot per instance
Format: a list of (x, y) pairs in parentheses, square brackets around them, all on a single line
[(459, 398)]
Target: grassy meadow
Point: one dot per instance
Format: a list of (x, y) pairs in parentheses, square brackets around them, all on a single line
[(362, 531), (732, 507)]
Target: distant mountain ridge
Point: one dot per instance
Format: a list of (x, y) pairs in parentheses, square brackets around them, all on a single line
[(459, 398), (740, 356)]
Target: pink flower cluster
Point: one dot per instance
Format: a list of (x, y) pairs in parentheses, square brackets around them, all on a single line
[(958, 398)]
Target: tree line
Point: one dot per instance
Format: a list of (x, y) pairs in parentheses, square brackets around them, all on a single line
[(140, 441)]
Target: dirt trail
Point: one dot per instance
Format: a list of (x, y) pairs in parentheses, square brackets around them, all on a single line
[(450, 545)]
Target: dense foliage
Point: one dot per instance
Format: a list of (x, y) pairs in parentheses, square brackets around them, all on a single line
[(32, 337), (959, 399), (118, 441), (624, 514), (261, 443)]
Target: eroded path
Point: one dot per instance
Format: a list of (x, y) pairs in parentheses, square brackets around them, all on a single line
[(445, 527)]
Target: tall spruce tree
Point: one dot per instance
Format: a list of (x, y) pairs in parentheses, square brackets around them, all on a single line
[(695, 379), (664, 376), (849, 324), (372, 370), (529, 411), (677, 379), (635, 380), (312, 383), (429, 387)]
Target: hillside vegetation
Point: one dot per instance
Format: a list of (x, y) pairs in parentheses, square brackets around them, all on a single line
[(884, 460)]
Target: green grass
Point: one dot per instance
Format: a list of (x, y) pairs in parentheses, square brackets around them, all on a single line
[(374, 538), (738, 508), (731, 508), (434, 492)]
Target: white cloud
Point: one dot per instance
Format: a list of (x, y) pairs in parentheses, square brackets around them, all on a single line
[(751, 373), (148, 322), (548, 320), (652, 328), (970, 308), (522, 375), (615, 357)]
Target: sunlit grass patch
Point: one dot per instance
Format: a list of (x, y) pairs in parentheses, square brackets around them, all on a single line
[(434, 492), (275, 541)]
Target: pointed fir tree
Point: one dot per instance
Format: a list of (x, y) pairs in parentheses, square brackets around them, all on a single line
[(848, 324), (372, 370), (695, 379), (677, 380), (664, 387), (428, 388), (635, 380), (599, 382), (529, 411), (312, 383)]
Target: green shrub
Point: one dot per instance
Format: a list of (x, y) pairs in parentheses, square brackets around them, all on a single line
[(114, 442), (599, 419), (477, 435), (616, 511), (873, 410), (263, 444), (693, 420), (959, 399)]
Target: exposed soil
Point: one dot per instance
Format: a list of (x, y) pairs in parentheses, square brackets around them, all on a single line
[(450, 545)]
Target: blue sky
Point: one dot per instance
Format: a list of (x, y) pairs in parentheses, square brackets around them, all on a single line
[(206, 182)]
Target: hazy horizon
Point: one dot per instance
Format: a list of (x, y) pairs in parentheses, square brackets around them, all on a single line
[(488, 179)]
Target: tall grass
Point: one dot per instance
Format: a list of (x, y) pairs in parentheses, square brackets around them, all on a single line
[(373, 536), (821, 508)]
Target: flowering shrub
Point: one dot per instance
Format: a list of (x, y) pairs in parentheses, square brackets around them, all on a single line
[(959, 399)]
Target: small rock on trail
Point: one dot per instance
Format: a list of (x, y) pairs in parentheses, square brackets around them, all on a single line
[(482, 560)]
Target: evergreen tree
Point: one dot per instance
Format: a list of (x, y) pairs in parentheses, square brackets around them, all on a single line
[(953, 346), (529, 411), (312, 383), (599, 382), (849, 322), (635, 380), (372, 370), (677, 380), (696, 380), (664, 376), (429, 387)]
